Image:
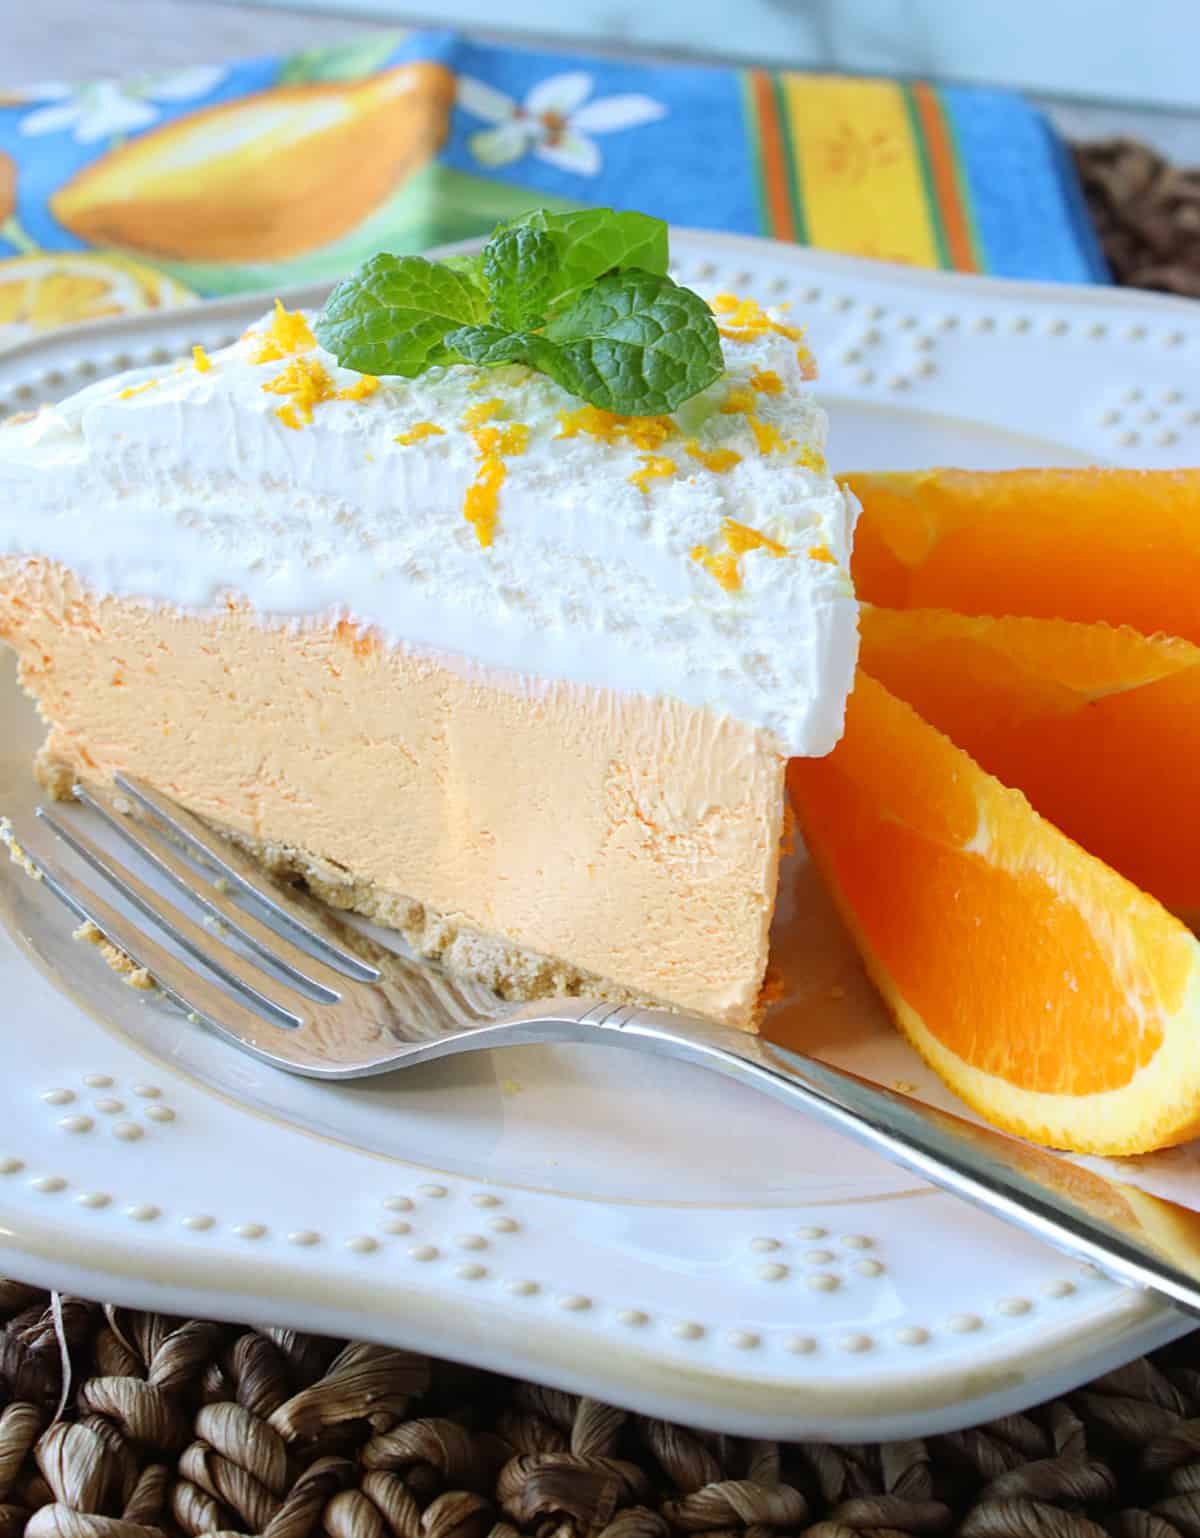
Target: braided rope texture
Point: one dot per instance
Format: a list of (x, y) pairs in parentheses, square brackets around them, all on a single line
[(173, 1427), (1146, 212)]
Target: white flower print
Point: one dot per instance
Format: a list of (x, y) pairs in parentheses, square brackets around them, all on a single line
[(102, 108), (555, 122)]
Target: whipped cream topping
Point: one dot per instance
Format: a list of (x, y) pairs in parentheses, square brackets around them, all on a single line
[(183, 484)]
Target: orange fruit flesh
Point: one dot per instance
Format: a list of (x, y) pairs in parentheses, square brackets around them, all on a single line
[(1060, 1001), (1121, 546), (1099, 726)]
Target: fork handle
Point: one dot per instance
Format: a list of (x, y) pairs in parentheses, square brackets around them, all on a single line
[(1141, 1239)]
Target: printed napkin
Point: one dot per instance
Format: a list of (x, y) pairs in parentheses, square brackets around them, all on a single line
[(122, 195)]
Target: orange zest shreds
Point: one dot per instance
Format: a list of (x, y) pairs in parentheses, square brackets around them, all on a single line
[(647, 433), (482, 505), (722, 565), (812, 459), (808, 364), (746, 319), (740, 538), (713, 459), (571, 423), (307, 383), (793, 333), (513, 438), (419, 431), (364, 385), (768, 437), (823, 554), (766, 381), (654, 467), (200, 360), (738, 400), (481, 412), (483, 497), (288, 333), (146, 384)]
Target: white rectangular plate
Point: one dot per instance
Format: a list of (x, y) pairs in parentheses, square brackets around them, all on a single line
[(643, 1234)]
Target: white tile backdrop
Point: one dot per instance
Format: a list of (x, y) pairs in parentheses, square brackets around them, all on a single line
[(1131, 68)]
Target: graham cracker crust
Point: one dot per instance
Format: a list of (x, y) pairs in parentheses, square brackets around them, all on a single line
[(512, 972)]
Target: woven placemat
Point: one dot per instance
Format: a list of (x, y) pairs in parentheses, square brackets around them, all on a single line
[(117, 1424), (1147, 213)]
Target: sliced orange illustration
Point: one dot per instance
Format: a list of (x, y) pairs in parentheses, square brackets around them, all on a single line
[(1054, 996), (62, 288), (1099, 726), (1116, 545), (265, 177)]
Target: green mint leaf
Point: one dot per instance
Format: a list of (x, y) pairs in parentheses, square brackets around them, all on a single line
[(595, 241), (488, 346), (521, 266), (582, 297), (391, 316), (634, 343), (469, 264)]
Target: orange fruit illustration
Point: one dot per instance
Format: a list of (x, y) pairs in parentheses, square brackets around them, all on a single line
[(62, 288), (1054, 996), (1099, 726), (1115, 545), (266, 177)]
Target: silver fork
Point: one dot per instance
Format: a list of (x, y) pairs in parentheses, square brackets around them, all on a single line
[(295, 993)]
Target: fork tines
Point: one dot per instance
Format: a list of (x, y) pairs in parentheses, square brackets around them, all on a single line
[(259, 963)]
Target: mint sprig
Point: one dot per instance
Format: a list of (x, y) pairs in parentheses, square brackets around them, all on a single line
[(583, 298), (634, 343), (597, 241), (520, 270), (391, 316), (489, 346)]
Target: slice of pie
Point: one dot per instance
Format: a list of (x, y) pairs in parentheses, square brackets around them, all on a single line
[(504, 671)]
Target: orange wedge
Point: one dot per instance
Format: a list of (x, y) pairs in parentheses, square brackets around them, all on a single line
[(1099, 726), (1115, 545), (1057, 999)]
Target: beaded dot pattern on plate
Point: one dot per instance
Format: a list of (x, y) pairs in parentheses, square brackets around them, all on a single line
[(107, 1111), (833, 1249), (821, 1259), (1159, 418), (882, 352)]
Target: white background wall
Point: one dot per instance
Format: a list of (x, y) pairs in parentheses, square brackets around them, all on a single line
[(1098, 52)]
